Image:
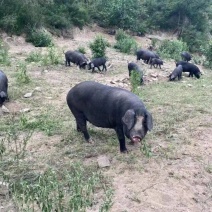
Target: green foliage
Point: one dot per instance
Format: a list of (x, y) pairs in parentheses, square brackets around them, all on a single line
[(52, 57), (39, 38), (22, 76), (53, 190), (207, 51), (34, 56), (172, 49), (125, 43), (125, 14), (4, 55), (81, 49), (98, 47), (135, 80)]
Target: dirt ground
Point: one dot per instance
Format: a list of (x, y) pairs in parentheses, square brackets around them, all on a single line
[(179, 183)]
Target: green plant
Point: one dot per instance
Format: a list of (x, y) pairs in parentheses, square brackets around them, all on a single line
[(4, 56), (71, 190), (125, 43), (135, 80), (22, 76), (52, 57), (82, 49), (172, 49), (39, 38), (207, 51), (34, 56), (98, 46)]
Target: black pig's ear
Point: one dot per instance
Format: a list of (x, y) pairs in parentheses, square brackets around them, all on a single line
[(129, 119), (149, 122)]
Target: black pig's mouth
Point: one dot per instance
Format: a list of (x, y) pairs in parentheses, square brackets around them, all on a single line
[(136, 139)]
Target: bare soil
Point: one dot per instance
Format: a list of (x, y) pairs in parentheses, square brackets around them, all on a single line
[(179, 182)]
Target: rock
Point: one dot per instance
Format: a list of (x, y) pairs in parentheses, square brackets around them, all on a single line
[(25, 110), (189, 85), (154, 75), (45, 71), (28, 95), (49, 97), (4, 109), (103, 161), (112, 82), (4, 189), (37, 89)]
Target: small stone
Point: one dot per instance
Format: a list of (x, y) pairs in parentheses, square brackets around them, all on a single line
[(37, 89), (154, 75), (48, 97), (112, 82), (27, 95), (25, 110), (4, 188), (45, 71), (4, 109), (103, 161), (189, 85)]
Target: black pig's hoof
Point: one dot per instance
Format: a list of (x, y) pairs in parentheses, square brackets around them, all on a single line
[(124, 151)]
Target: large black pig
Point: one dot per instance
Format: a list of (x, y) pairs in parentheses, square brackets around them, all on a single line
[(3, 87), (191, 68), (109, 107)]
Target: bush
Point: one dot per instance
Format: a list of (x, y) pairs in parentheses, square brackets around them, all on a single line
[(207, 51), (39, 38), (98, 47), (81, 49), (172, 49), (22, 76), (125, 43)]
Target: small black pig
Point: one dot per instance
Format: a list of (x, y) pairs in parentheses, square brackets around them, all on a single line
[(176, 73), (97, 62), (157, 62), (109, 107), (3, 87), (134, 67)]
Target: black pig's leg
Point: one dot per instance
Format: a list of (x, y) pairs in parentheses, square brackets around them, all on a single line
[(81, 126), (121, 137)]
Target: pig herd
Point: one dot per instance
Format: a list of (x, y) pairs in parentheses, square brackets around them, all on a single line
[(112, 107)]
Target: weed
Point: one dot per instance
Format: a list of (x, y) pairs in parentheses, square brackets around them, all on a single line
[(22, 76), (52, 57), (34, 56), (71, 190), (4, 56), (146, 149), (135, 80)]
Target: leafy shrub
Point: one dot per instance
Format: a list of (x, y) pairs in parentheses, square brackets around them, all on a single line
[(81, 49), (39, 38), (207, 51), (125, 43), (98, 47), (172, 49)]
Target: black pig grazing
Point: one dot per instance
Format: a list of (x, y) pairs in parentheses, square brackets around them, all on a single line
[(146, 55), (186, 56), (109, 107), (97, 62), (156, 61), (77, 58), (191, 68), (3, 87), (134, 67), (176, 73)]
